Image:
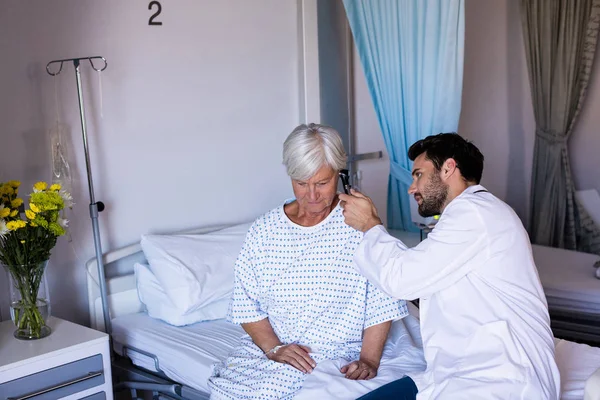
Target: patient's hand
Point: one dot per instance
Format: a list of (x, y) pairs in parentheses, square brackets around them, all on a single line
[(295, 355), (360, 370)]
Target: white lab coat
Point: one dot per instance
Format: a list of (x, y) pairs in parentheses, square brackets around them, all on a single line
[(484, 317)]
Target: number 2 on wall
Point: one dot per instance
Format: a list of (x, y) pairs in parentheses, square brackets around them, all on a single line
[(151, 21)]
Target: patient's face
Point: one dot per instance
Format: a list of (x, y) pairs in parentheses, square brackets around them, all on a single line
[(429, 190), (317, 193)]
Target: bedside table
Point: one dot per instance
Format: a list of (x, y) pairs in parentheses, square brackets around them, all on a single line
[(72, 363)]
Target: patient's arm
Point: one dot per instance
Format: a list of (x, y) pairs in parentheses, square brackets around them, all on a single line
[(373, 341), (370, 355), (263, 336)]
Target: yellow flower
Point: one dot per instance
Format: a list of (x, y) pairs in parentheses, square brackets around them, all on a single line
[(16, 203), (14, 225), (56, 229), (14, 184), (47, 200), (30, 214), (22, 242), (55, 187), (4, 212), (6, 190), (39, 221), (34, 208), (14, 213), (40, 186), (33, 224)]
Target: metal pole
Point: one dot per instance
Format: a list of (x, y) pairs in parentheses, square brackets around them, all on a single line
[(93, 207), (349, 42)]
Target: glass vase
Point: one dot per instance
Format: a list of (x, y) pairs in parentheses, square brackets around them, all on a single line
[(29, 300)]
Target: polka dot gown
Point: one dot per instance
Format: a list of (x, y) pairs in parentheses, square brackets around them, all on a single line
[(303, 280)]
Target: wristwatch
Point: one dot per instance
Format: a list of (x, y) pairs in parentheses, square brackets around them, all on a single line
[(274, 349)]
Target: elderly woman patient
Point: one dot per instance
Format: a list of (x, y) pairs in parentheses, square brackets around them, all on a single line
[(296, 292)]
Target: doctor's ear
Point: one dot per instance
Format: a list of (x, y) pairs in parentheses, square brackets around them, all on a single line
[(448, 167)]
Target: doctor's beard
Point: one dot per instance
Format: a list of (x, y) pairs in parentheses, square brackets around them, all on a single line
[(434, 197)]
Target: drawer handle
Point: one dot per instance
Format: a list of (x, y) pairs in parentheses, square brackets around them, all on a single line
[(90, 375)]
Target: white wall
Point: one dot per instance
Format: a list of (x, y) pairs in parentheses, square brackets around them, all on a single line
[(194, 115), (497, 114)]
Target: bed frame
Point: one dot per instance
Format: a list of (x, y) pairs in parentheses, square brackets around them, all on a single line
[(569, 318), (577, 327), (122, 299)]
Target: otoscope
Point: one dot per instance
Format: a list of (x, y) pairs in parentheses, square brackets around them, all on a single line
[(345, 180)]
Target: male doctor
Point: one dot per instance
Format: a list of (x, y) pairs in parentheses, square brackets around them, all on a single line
[(484, 317)]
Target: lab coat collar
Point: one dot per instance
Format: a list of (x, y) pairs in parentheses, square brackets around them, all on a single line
[(471, 189), (468, 190)]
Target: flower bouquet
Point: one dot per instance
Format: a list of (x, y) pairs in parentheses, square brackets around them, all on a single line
[(27, 235)]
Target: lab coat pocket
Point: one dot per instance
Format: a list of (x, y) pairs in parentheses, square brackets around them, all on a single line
[(492, 352)]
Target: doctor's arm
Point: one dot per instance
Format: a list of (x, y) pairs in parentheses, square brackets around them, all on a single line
[(435, 264)]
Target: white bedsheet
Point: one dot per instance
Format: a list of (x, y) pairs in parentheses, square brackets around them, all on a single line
[(187, 353), (568, 279), (576, 362), (402, 354)]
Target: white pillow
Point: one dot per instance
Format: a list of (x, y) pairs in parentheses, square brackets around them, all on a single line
[(195, 270), (158, 305)]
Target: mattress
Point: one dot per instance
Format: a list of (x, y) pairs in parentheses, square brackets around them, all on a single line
[(186, 354), (568, 278)]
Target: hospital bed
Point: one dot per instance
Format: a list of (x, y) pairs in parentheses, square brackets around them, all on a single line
[(572, 291), (570, 284), (175, 362)]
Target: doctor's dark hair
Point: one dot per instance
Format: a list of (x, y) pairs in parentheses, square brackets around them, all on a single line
[(439, 148)]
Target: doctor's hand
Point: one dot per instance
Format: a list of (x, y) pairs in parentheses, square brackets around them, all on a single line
[(295, 355), (359, 370), (359, 211)]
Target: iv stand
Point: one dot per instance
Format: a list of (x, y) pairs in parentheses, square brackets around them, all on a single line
[(95, 207)]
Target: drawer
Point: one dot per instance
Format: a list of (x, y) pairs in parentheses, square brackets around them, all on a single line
[(96, 396), (56, 382)]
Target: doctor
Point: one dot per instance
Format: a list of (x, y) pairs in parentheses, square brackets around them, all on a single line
[(484, 317)]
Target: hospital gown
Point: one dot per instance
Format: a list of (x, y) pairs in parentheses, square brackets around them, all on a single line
[(303, 280)]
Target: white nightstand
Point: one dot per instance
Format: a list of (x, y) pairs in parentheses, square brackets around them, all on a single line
[(72, 363)]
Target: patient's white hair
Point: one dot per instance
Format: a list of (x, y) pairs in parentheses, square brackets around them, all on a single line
[(310, 147)]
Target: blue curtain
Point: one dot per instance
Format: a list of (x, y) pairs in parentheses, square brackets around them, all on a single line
[(412, 54)]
